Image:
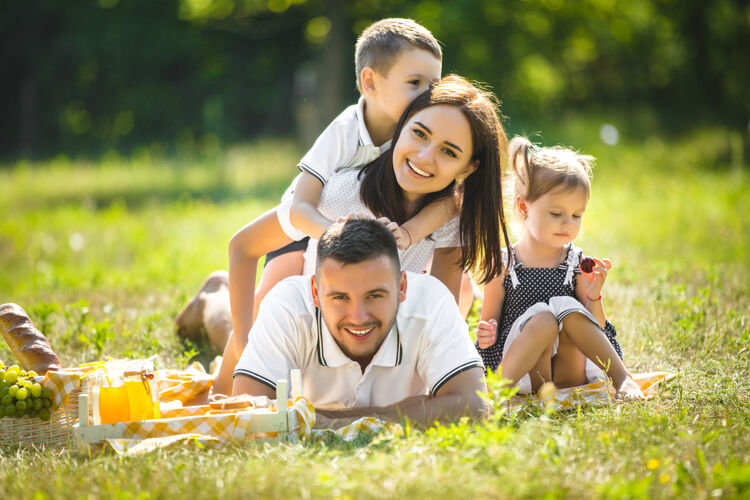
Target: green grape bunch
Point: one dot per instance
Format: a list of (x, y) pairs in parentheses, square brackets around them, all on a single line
[(22, 394)]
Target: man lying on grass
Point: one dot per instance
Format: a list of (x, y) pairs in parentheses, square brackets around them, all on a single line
[(365, 347)]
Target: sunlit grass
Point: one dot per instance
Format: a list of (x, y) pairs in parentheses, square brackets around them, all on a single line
[(104, 253)]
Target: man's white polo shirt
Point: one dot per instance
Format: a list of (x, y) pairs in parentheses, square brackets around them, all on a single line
[(427, 346)]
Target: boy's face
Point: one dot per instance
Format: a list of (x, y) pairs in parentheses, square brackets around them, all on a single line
[(409, 76)]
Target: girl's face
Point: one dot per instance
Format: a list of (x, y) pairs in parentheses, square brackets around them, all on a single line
[(554, 219), (434, 149)]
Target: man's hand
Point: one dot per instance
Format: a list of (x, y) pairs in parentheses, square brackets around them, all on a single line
[(486, 333), (456, 398)]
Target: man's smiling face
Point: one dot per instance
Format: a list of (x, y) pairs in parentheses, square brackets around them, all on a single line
[(358, 303)]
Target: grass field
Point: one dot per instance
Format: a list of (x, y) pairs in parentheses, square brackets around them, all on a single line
[(103, 254)]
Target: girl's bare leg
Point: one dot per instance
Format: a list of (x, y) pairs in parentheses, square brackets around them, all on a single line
[(589, 339), (569, 364), (541, 372), (530, 352)]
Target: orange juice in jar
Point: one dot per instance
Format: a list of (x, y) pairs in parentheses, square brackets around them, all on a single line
[(113, 403), (141, 406), (143, 394)]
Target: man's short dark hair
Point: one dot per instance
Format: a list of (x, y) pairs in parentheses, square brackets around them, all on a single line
[(356, 241)]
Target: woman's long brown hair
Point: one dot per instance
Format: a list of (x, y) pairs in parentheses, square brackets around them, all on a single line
[(481, 216)]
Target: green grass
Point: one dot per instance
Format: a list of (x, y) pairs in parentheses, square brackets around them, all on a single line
[(103, 254)]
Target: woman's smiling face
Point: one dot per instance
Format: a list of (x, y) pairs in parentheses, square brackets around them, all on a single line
[(435, 148)]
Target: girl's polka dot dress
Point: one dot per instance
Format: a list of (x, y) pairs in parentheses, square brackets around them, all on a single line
[(525, 286)]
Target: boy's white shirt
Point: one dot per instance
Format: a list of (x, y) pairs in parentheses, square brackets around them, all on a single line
[(345, 143), (340, 196)]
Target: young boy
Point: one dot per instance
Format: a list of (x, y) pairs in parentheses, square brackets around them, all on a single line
[(396, 60)]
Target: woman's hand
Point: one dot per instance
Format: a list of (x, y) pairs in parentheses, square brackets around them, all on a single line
[(593, 282), (486, 333), (403, 239)]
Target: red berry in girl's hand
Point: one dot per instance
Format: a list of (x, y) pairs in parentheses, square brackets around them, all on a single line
[(587, 265)]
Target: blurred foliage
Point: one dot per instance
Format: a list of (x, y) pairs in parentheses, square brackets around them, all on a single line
[(95, 75)]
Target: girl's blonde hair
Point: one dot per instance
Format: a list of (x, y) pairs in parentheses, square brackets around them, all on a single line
[(537, 171)]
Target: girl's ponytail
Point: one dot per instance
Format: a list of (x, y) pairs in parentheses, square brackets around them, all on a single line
[(537, 171), (520, 166)]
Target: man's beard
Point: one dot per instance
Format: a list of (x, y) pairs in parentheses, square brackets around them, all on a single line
[(376, 324)]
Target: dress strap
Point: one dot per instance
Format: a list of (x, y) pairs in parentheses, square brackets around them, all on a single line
[(512, 269), (572, 260)]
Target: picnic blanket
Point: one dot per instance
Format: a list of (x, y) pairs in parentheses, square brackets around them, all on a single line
[(221, 430), (203, 428), (595, 393), (174, 384)]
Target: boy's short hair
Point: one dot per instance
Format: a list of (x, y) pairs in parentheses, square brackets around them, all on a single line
[(380, 44)]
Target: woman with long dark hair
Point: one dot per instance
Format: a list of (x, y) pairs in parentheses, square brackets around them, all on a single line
[(448, 143)]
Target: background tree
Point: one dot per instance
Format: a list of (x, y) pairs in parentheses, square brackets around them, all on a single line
[(94, 75)]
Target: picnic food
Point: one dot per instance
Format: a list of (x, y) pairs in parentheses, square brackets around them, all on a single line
[(124, 390), (587, 265), (21, 394), (239, 402), (233, 403), (30, 347)]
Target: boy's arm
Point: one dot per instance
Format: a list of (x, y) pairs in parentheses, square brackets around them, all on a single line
[(492, 306), (427, 221), (304, 214), (246, 247)]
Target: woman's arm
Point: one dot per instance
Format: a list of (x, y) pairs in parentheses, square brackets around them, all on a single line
[(426, 221), (446, 268), (492, 306), (304, 214), (246, 247)]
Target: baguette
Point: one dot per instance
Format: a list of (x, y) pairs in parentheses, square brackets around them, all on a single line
[(30, 347)]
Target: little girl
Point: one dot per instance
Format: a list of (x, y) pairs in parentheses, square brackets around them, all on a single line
[(552, 325)]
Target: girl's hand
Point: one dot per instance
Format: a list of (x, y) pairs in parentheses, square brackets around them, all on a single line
[(593, 282), (403, 240), (486, 333)]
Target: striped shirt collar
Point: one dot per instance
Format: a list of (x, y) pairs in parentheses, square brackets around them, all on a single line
[(364, 134)]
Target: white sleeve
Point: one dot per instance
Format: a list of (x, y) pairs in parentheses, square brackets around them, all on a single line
[(282, 213), (290, 190), (272, 345), (333, 148), (446, 349), (447, 235)]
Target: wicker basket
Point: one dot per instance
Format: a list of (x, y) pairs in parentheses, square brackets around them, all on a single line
[(56, 432)]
